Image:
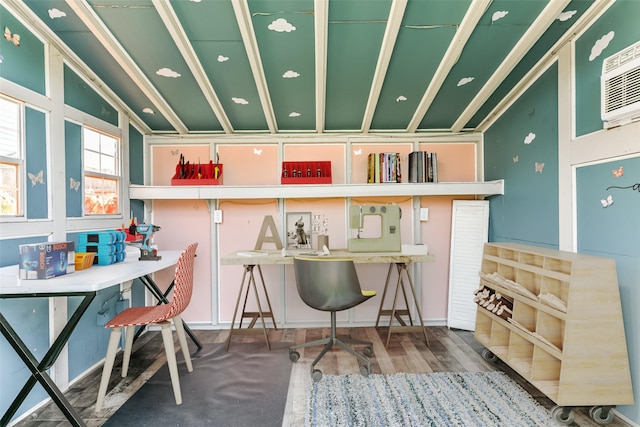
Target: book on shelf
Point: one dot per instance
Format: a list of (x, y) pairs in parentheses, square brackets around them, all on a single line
[(423, 166), (384, 167)]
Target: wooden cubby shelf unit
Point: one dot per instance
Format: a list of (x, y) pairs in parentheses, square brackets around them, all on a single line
[(578, 357)]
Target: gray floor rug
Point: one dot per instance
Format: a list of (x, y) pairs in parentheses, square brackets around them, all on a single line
[(486, 399), (246, 386)]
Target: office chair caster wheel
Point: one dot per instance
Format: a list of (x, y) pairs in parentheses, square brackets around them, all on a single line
[(316, 375), (294, 356), (364, 371), (563, 415), (368, 351)]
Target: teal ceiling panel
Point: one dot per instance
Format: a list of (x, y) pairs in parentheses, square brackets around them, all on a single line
[(565, 20), (285, 35), (498, 31), (72, 31), (427, 30), (215, 36), (356, 30), (138, 26)]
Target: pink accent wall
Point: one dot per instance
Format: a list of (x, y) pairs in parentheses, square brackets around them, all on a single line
[(166, 158), (250, 164)]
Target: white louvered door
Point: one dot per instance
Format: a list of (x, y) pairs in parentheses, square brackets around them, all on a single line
[(469, 232)]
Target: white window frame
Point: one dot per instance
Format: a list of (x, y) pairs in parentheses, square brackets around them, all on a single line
[(20, 162), (116, 176)]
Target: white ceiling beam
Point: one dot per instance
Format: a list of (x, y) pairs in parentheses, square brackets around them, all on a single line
[(102, 33), (388, 43), (171, 21), (467, 26), (243, 16), (548, 15), (33, 22), (321, 29), (585, 21)]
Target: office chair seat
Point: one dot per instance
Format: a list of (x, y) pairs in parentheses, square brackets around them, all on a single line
[(330, 284), (158, 314)]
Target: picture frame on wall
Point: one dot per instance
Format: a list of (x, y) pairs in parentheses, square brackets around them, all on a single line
[(298, 230)]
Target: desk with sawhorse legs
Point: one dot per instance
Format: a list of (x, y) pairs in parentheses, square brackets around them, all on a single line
[(397, 260), (86, 284)]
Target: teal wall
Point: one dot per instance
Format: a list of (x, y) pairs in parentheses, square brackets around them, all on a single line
[(613, 232), (621, 22), (73, 168), (36, 164), (528, 210), (78, 94)]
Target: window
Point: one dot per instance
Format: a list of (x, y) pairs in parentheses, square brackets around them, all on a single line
[(11, 160), (101, 173)]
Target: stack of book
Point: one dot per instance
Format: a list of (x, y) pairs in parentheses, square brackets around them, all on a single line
[(384, 167), (423, 167)]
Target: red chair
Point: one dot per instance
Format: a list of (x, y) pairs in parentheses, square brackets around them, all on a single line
[(161, 315)]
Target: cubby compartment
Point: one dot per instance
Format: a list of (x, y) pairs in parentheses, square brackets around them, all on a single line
[(508, 254), (489, 266), (520, 354), (506, 271), (499, 342), (531, 259), (556, 288), (545, 373), (529, 280), (550, 329), (559, 265), (525, 315), (482, 333)]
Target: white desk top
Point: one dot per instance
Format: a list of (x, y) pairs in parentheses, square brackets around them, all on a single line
[(275, 257), (90, 280)]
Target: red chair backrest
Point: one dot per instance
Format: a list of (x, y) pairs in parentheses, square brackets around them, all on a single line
[(183, 281)]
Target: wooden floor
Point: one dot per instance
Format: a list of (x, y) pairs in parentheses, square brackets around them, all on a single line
[(450, 350)]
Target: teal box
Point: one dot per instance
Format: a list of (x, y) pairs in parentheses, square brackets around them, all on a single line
[(46, 260)]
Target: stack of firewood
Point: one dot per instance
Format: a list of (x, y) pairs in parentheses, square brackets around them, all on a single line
[(493, 301)]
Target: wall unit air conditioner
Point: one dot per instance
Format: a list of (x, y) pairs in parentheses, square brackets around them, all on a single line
[(620, 87)]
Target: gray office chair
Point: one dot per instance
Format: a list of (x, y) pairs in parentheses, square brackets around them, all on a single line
[(330, 284)]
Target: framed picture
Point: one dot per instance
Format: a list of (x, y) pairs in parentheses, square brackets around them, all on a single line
[(298, 230)]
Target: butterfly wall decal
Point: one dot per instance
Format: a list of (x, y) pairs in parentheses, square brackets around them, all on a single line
[(73, 184), (516, 158), (618, 172), (607, 202), (36, 179), (175, 152), (13, 38), (357, 152), (539, 167), (257, 151)]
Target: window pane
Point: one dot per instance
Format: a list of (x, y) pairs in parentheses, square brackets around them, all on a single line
[(9, 128), (91, 161), (91, 140), (9, 190), (101, 195), (108, 164), (108, 145)]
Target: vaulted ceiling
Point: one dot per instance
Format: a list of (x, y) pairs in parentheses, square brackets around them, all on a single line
[(309, 66)]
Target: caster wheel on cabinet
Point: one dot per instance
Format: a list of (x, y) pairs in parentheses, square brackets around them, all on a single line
[(489, 356), (601, 415), (562, 414), (316, 375), (294, 356), (364, 371), (368, 351)]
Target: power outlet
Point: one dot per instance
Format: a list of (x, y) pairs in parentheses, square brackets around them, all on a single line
[(424, 214), (217, 216)]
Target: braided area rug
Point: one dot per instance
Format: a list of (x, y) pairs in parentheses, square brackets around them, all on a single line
[(436, 399)]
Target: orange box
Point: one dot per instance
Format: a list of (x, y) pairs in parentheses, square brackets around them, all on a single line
[(306, 173), (84, 260)]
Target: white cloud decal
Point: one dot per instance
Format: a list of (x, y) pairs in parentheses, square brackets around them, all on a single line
[(529, 138), (465, 80), (240, 101), (56, 13), (167, 72), (281, 25), (499, 15), (222, 58), (294, 114), (148, 111), (566, 15), (601, 45), (290, 74), (401, 98)]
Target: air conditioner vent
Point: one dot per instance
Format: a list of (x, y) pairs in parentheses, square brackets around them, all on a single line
[(620, 86)]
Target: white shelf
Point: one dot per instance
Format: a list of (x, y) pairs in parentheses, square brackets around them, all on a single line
[(310, 191)]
